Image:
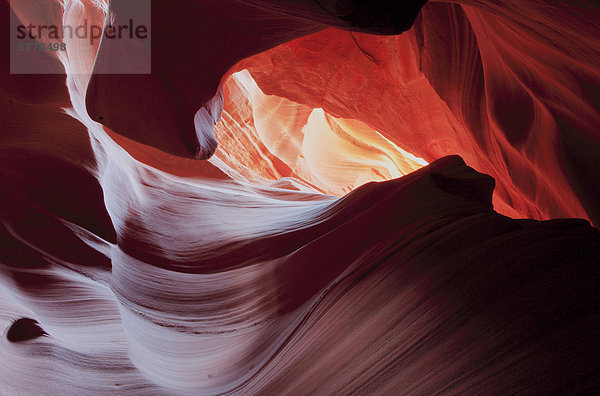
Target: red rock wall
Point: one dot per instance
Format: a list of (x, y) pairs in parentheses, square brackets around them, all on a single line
[(129, 265)]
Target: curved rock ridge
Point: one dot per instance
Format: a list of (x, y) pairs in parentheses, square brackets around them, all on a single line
[(412, 283), (468, 78), (510, 87), (332, 244)]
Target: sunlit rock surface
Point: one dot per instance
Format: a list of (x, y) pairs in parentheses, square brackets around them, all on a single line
[(341, 238), (510, 88)]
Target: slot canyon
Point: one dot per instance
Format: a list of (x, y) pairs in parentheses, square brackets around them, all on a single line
[(303, 197)]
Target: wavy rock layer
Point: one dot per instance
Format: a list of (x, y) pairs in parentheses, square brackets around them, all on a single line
[(512, 88), (279, 266)]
